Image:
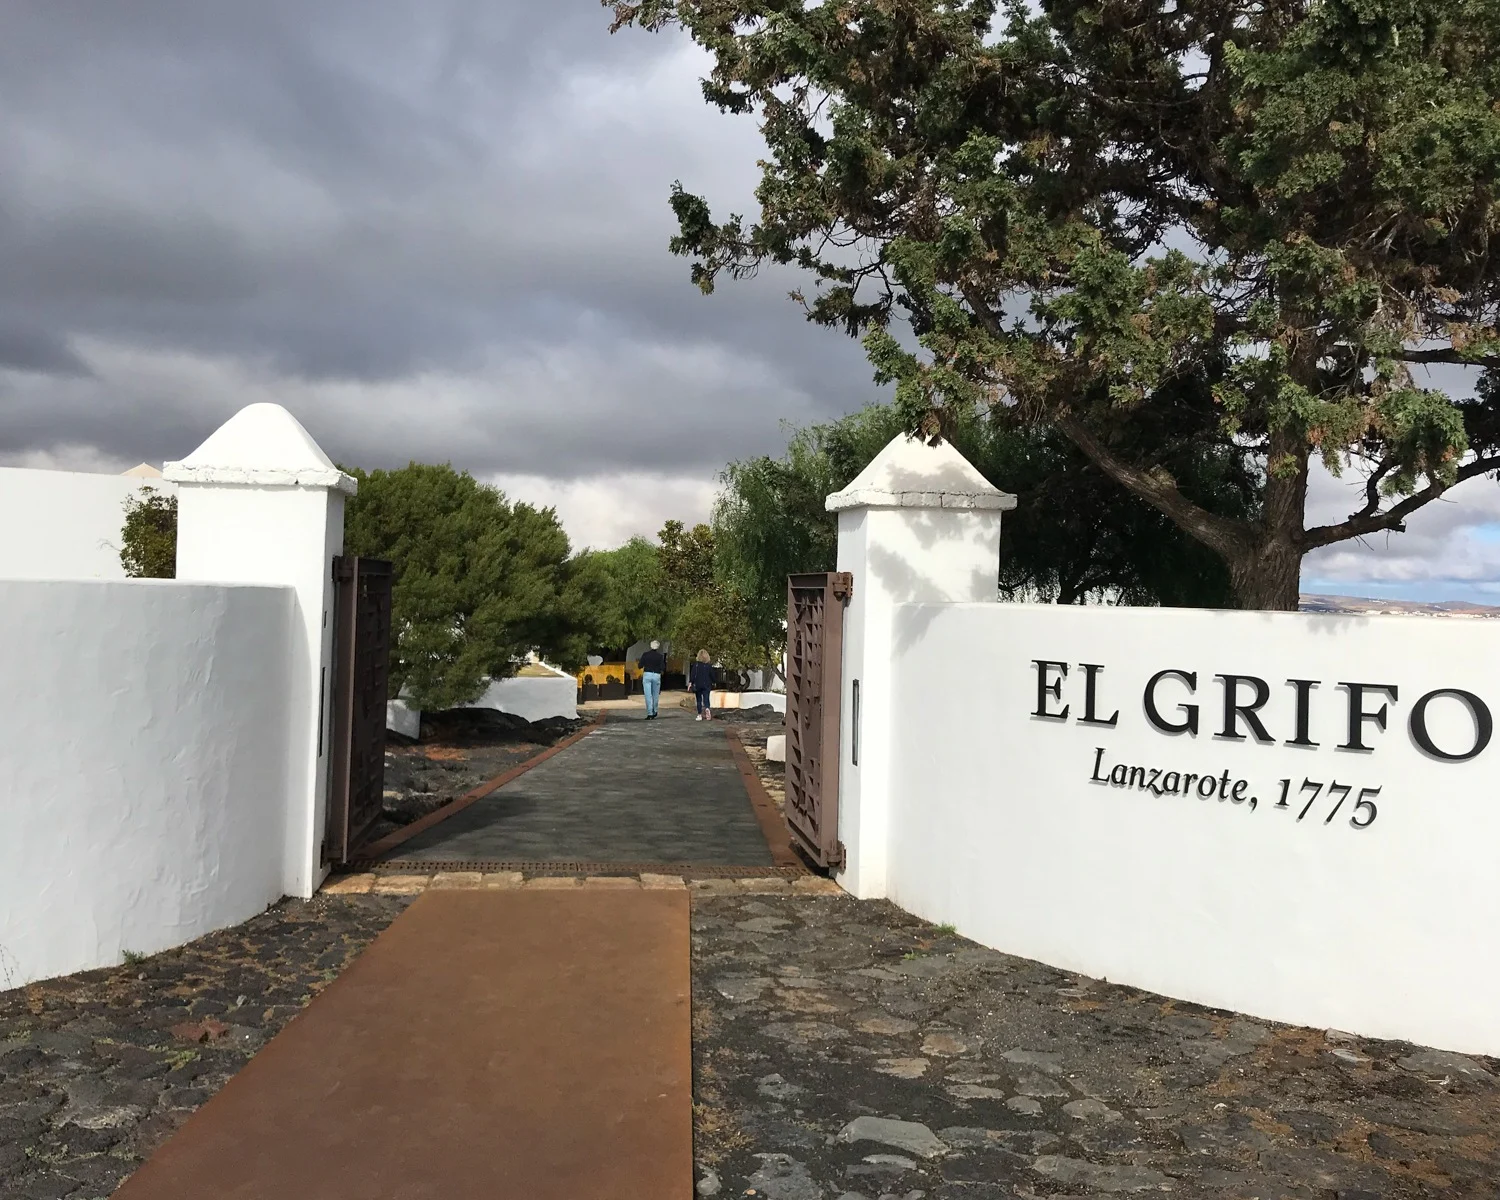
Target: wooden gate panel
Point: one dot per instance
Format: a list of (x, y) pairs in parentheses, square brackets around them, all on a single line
[(361, 651), (814, 682)]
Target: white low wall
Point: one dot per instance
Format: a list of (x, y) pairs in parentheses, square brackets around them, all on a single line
[(776, 700), (403, 719), (143, 782), (533, 697), (65, 524), (1064, 818)]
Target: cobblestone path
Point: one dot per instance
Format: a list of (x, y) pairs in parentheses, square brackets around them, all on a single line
[(633, 791), (846, 1051)]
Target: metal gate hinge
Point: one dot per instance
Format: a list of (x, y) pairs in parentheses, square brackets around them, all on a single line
[(837, 858), (842, 586)]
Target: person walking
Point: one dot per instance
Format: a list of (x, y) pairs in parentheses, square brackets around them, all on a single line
[(653, 664), (701, 679)]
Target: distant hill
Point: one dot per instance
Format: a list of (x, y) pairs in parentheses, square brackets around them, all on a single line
[(1364, 606)]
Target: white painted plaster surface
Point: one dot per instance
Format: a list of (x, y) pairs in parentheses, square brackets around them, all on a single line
[(897, 555), (142, 779), (765, 680), (532, 697), (776, 748), (910, 473), (65, 524), (776, 700), (264, 445), (256, 505), (402, 718), (994, 824)]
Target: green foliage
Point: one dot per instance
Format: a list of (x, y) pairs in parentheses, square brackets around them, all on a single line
[(148, 541), (686, 561), (1075, 532), (479, 581), (715, 621), (1198, 233), (633, 606), (708, 611)]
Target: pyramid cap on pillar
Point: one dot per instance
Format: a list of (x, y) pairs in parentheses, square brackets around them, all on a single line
[(913, 473), (262, 445)]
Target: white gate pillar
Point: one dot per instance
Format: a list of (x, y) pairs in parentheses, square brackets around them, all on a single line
[(919, 525), (259, 502)]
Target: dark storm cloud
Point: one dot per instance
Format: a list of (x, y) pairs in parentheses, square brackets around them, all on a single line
[(37, 351), (437, 230)]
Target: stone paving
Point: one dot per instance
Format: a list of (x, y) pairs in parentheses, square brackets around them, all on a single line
[(633, 791), (460, 750), (847, 1051), (97, 1069), (842, 1051)]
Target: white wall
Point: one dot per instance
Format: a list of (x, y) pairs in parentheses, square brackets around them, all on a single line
[(65, 524), (533, 697), (896, 556), (402, 718), (143, 778), (281, 535), (998, 825), (776, 700)]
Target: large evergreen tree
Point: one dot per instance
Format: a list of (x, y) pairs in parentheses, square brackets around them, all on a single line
[(479, 581), (1240, 229)]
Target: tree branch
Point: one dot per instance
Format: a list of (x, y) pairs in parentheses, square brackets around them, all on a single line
[(1372, 487), (981, 310), (1492, 361), (1362, 523), (1226, 537)]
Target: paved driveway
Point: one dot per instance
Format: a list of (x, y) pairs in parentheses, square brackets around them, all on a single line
[(633, 791)]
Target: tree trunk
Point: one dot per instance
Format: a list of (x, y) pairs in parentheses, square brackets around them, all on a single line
[(1269, 576), (1268, 573), (1264, 557)]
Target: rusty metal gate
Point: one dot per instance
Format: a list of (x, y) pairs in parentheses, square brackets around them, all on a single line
[(814, 679), (361, 649)]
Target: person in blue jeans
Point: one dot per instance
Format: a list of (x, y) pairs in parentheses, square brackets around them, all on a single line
[(701, 680), (653, 663)]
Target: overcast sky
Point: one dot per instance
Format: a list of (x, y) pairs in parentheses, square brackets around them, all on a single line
[(434, 230)]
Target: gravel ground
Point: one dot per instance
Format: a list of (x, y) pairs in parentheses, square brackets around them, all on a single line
[(847, 1051), (753, 727), (97, 1069)]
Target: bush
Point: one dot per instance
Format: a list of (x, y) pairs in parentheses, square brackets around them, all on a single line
[(148, 542)]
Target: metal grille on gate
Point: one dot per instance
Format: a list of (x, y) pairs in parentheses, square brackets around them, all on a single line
[(361, 649), (815, 659)]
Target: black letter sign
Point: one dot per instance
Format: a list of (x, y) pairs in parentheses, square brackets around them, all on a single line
[(1357, 714), (1090, 681), (1304, 689), (1484, 724), (1045, 689), (1190, 711), (1234, 710)]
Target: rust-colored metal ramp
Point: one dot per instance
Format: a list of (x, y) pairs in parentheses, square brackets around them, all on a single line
[(509, 1045)]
